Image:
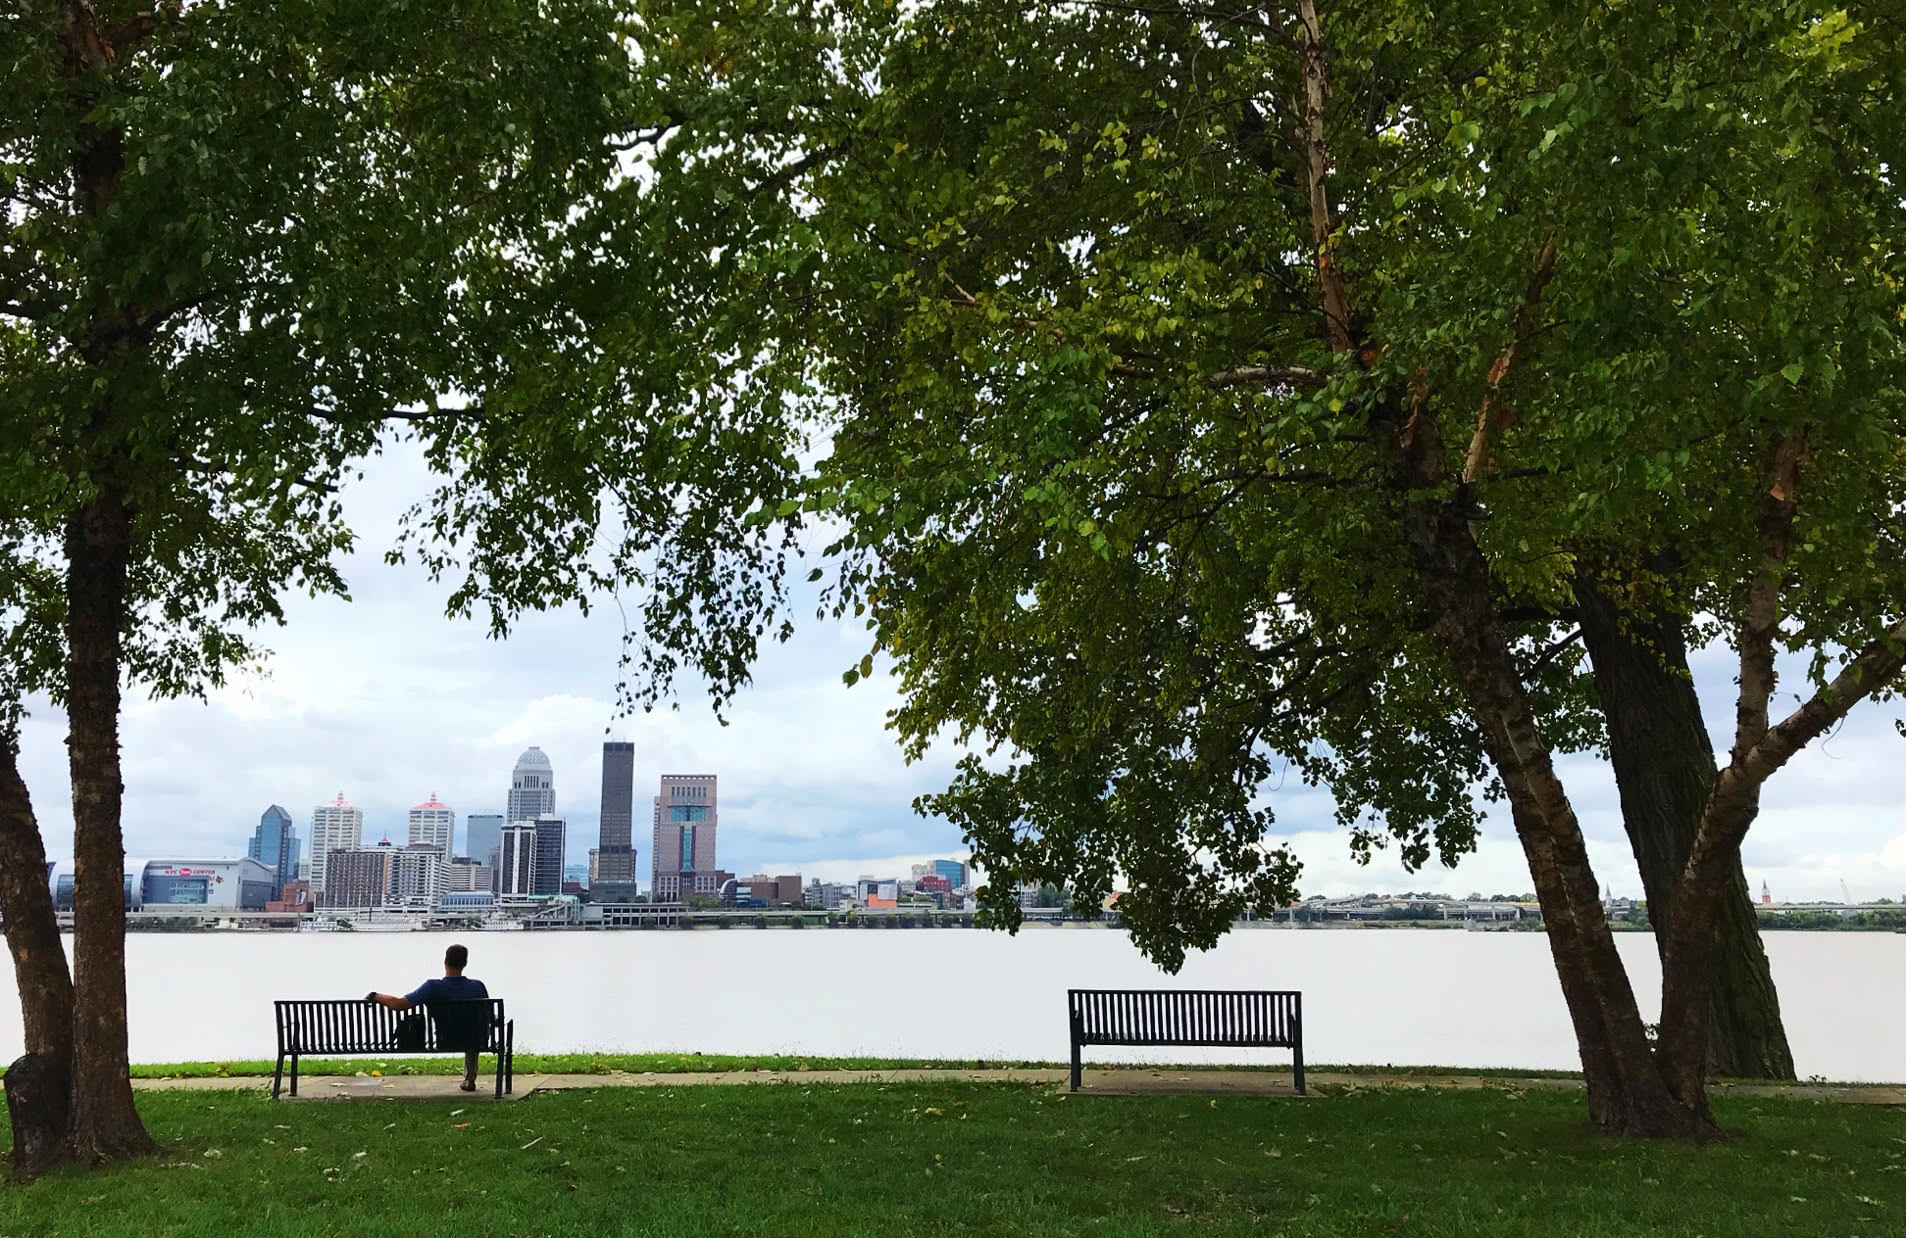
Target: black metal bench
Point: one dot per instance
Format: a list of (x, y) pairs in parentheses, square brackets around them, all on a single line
[(1189, 1017), (361, 1027)]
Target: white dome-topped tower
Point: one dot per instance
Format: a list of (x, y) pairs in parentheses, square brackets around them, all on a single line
[(532, 787)]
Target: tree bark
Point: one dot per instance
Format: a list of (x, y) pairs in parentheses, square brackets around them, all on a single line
[(38, 1084), (1665, 771), (105, 1125)]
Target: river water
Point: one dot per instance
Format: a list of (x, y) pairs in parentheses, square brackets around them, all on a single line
[(1418, 997)]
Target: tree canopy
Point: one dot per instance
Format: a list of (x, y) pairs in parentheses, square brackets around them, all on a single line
[(1114, 502)]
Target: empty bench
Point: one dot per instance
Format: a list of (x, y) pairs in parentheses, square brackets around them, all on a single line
[(1202, 1018), (360, 1027)]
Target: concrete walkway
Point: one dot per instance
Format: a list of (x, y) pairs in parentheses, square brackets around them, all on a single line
[(1129, 1081)]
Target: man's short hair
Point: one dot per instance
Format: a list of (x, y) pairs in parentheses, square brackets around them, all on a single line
[(456, 958)]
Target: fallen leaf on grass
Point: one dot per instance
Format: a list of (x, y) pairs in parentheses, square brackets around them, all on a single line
[(532, 1143), (1134, 1158), (458, 1125)]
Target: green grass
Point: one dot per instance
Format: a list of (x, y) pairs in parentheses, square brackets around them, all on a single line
[(684, 1063), (953, 1159), (567, 1064)]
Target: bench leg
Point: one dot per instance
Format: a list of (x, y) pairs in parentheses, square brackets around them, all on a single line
[(278, 1077), (509, 1057), (1297, 1066), (294, 1074), (1075, 1065)]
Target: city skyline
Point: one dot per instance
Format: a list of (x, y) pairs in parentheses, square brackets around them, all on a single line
[(357, 693)]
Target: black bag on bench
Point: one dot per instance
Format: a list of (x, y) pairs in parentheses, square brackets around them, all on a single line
[(410, 1033)]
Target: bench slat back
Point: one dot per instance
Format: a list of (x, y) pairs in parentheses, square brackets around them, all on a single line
[(1187, 1017), (311, 1027)]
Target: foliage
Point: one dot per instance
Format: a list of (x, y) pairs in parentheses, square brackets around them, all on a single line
[(342, 225), (1112, 501)]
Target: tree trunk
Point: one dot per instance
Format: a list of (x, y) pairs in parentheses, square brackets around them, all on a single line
[(1665, 771), (38, 1085), (105, 1125), (1627, 1093), (1691, 943)]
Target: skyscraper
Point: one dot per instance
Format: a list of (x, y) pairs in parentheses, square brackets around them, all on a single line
[(615, 856), (275, 844), (517, 876), (336, 826), (551, 834), (532, 788), (483, 842), (684, 848), (433, 823), (482, 832)]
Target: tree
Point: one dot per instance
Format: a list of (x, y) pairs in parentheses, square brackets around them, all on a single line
[(1223, 393), (243, 244)]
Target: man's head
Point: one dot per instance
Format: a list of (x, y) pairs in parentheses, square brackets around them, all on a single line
[(454, 960)]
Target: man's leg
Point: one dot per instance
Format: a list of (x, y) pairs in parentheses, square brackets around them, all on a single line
[(470, 1068)]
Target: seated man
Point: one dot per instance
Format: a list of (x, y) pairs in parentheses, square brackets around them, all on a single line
[(454, 986)]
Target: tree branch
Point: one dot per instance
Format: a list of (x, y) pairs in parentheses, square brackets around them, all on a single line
[(1553, 652), (1730, 808), (1760, 616), (1336, 300), (1494, 413), (400, 414), (1877, 665), (1238, 376)]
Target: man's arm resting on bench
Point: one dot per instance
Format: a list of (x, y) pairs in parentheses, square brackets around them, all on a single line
[(389, 1001)]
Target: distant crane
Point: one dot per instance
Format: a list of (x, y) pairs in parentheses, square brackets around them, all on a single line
[(1844, 896)]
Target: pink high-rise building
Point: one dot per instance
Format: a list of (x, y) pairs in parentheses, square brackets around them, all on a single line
[(683, 856)]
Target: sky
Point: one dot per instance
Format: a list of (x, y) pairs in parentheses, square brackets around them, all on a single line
[(384, 699)]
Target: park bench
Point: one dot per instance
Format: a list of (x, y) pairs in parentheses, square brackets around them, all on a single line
[(1189, 1017), (361, 1027)]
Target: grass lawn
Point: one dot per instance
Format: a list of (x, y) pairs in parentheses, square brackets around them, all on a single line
[(951, 1158), (560, 1064)]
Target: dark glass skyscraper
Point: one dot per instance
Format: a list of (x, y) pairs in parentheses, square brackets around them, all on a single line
[(615, 857), (275, 844), (550, 833)]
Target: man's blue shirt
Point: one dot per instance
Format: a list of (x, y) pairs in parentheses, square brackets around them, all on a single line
[(447, 989)]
